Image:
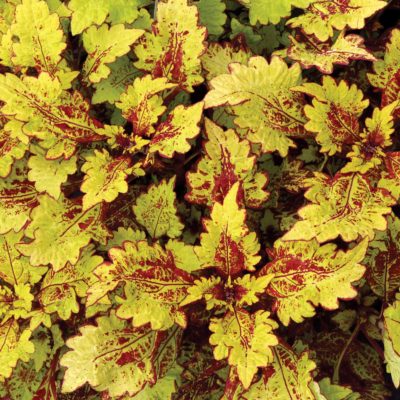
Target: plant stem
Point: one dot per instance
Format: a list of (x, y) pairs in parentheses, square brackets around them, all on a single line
[(335, 377)]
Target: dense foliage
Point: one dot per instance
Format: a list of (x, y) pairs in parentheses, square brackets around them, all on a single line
[(198, 200)]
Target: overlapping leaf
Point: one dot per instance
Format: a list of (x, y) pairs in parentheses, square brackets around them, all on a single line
[(262, 101), (306, 275), (344, 205)]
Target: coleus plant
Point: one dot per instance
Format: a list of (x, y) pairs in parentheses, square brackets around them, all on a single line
[(199, 199)]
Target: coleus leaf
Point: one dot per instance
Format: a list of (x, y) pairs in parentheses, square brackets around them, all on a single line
[(245, 339), (39, 107), (59, 289), (330, 391), (60, 229), (105, 177), (142, 105), (306, 275), (156, 210), (390, 179), (212, 15), (334, 113), (11, 150), (310, 52), (266, 12), (260, 97), (227, 245), (173, 49), (287, 377), (173, 134), (368, 152), (155, 284), (391, 324), (344, 205), (383, 272), (104, 45), (14, 345), (49, 175), (15, 268), (18, 197), (386, 76), (321, 17), (114, 357), (227, 160), (38, 37)]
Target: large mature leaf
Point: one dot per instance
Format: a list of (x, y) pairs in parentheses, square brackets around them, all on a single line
[(387, 72), (344, 205), (59, 290), (306, 275), (39, 107), (112, 356), (155, 284), (103, 46), (227, 160), (383, 273), (310, 52), (334, 113), (271, 11), (262, 102), (227, 244), (156, 210), (14, 345), (174, 47), (322, 17), (288, 377), (245, 339), (173, 135), (37, 37), (105, 177), (60, 229)]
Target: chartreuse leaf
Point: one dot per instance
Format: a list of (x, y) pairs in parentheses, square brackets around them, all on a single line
[(112, 356), (155, 284), (323, 55), (387, 72), (369, 151), (11, 149), (245, 339), (212, 15), (60, 229), (14, 345), (344, 205), (390, 179), (39, 107), (227, 160), (104, 45), (173, 49), (218, 56), (173, 135), (287, 377), (383, 272), (17, 198), (156, 210), (142, 105), (49, 175), (266, 11), (262, 101), (334, 113), (392, 360), (122, 75), (392, 321), (105, 177), (227, 244), (306, 275), (330, 391), (38, 37), (321, 17), (59, 290)]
